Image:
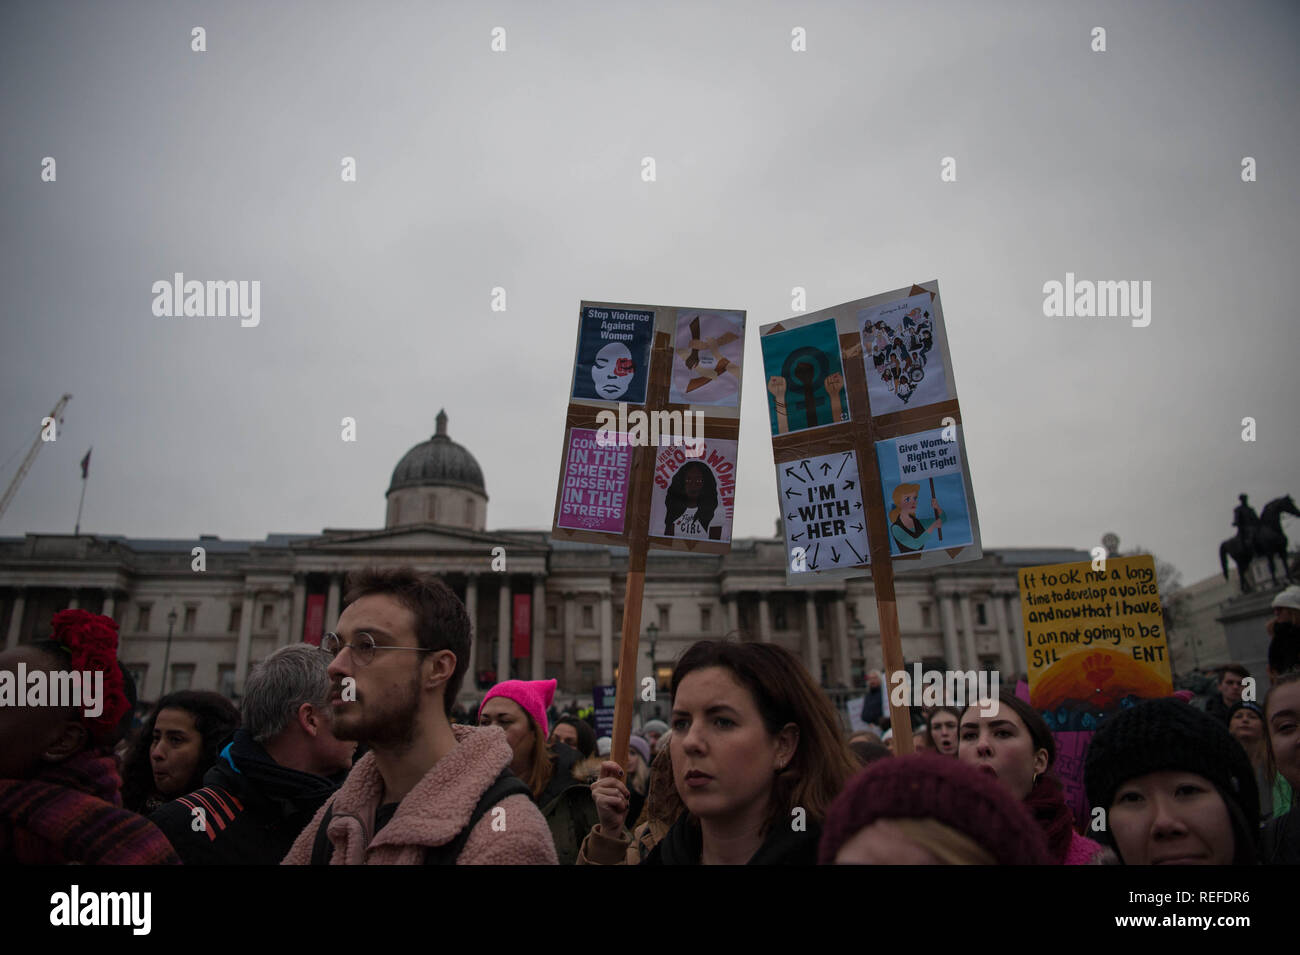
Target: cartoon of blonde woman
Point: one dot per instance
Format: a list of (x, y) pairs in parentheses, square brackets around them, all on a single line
[(909, 531), (690, 502)]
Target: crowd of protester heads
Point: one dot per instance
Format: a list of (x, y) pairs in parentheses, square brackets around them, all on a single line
[(751, 766)]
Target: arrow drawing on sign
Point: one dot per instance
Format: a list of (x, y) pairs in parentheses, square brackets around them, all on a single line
[(842, 463), (789, 517), (816, 550), (790, 492), (835, 554), (854, 549), (826, 469), (790, 471), (858, 505), (808, 469), (856, 527), (850, 484), (795, 537)]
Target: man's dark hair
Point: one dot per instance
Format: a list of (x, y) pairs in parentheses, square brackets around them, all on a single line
[(441, 622), (1284, 648), (1236, 668)]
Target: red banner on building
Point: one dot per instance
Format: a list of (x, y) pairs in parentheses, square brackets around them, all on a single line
[(523, 624), (314, 624)]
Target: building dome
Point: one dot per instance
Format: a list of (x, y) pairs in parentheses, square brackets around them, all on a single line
[(438, 462)]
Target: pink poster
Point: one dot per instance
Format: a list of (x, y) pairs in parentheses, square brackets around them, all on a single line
[(593, 487)]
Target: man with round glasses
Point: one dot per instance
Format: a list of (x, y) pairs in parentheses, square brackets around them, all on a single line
[(428, 791)]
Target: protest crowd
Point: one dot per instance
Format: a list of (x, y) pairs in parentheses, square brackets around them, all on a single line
[(357, 752)]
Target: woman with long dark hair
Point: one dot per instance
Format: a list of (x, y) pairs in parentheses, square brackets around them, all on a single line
[(177, 744), (690, 501), (757, 757), (1011, 742)]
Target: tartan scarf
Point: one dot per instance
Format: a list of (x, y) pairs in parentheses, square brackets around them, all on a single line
[(72, 813)]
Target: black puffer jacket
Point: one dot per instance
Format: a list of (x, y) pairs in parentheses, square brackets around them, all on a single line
[(684, 844), (252, 809)]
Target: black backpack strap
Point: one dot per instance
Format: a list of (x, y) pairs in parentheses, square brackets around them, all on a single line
[(506, 784), (321, 848)]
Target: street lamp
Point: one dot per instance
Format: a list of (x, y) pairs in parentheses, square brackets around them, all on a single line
[(860, 634), (171, 625)]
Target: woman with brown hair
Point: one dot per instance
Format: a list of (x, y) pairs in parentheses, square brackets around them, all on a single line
[(549, 771), (757, 757), (1008, 740)]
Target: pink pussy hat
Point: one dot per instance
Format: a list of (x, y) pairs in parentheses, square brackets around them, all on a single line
[(533, 695)]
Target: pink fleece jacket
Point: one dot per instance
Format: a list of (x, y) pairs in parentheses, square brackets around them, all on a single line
[(1082, 850), (434, 812)]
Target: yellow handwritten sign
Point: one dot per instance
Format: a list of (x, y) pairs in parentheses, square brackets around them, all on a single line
[(1093, 638)]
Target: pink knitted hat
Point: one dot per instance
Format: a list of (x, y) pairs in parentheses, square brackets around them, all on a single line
[(533, 695)]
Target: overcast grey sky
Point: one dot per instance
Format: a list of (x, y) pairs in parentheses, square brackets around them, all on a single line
[(521, 169)]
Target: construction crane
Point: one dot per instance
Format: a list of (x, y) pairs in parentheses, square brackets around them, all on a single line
[(12, 489)]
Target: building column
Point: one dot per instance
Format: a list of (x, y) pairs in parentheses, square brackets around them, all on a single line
[(841, 642), (332, 605), (948, 612), (1008, 663), (110, 604), (539, 627), (284, 619), (731, 605), (764, 619), (245, 643), (606, 639), (811, 650), (570, 643), (968, 636), (297, 616), (471, 610), (1018, 627), (504, 613), (75, 602), (16, 620)]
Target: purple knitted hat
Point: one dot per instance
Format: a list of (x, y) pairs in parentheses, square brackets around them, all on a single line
[(941, 788)]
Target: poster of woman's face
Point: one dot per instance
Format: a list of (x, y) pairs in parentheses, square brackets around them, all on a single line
[(707, 351), (694, 497), (613, 360)]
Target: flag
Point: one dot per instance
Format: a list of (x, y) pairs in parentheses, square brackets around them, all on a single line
[(85, 465)]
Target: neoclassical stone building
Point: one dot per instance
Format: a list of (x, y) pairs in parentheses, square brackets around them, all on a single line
[(205, 628)]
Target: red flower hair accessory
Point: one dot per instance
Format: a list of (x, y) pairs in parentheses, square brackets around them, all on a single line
[(91, 640)]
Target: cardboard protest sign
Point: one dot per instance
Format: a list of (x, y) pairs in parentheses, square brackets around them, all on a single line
[(924, 492), (1094, 640), (832, 389), (627, 440), (822, 500), (805, 377), (613, 361), (906, 367), (694, 497), (594, 482), (708, 350)]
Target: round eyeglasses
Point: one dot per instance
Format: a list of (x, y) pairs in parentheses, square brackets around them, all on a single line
[(363, 648)]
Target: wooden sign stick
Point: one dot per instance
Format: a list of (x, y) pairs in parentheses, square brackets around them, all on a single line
[(626, 687)]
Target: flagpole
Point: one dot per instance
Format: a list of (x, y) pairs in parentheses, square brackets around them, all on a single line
[(85, 473), (77, 530)]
